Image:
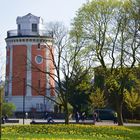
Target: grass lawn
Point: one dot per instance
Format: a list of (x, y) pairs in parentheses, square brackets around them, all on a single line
[(62, 132)]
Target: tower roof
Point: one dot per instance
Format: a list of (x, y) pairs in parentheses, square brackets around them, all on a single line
[(29, 25), (29, 17)]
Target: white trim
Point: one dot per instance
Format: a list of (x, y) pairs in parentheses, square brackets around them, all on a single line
[(10, 71), (47, 75), (29, 71), (27, 40)]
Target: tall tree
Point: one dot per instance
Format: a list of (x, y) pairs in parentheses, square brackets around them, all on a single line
[(64, 57), (132, 100), (98, 99), (111, 31), (79, 88)]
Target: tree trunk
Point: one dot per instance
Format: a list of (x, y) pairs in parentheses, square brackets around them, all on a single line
[(66, 114), (119, 112), (132, 115)]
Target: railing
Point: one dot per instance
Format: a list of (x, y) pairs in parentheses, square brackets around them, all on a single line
[(16, 33)]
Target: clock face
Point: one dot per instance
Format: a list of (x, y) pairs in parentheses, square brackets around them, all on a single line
[(38, 59)]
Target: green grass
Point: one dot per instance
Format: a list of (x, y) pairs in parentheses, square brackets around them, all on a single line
[(71, 132)]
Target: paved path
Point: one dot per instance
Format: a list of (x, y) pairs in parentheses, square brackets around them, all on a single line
[(104, 122)]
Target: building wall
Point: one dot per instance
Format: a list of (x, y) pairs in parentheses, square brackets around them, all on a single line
[(18, 69), (38, 77), (22, 64), (26, 56)]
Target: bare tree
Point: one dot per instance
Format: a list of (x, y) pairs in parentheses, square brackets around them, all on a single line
[(64, 55)]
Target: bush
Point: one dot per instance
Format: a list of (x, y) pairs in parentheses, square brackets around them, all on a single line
[(132, 121), (8, 108)]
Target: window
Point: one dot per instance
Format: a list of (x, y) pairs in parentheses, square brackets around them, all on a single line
[(7, 85), (19, 27), (7, 60), (39, 46), (37, 106), (38, 59), (34, 27), (41, 106)]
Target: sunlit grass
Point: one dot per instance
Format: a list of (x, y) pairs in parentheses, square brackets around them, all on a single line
[(56, 132)]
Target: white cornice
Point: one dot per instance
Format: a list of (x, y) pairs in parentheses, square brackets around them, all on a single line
[(27, 40)]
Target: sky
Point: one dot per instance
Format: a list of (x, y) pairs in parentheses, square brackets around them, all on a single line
[(50, 10)]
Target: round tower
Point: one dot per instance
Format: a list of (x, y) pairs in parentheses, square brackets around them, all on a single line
[(27, 58)]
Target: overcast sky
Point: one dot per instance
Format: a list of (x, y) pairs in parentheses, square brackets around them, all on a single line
[(50, 10)]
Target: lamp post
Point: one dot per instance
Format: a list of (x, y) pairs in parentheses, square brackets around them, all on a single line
[(23, 100)]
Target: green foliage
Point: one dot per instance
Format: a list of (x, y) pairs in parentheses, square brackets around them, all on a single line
[(79, 88), (1, 93), (1, 98), (99, 80), (98, 99), (121, 80), (110, 30), (70, 108), (132, 99), (8, 108), (5, 108)]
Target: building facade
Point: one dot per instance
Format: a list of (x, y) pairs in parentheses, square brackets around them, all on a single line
[(29, 53)]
